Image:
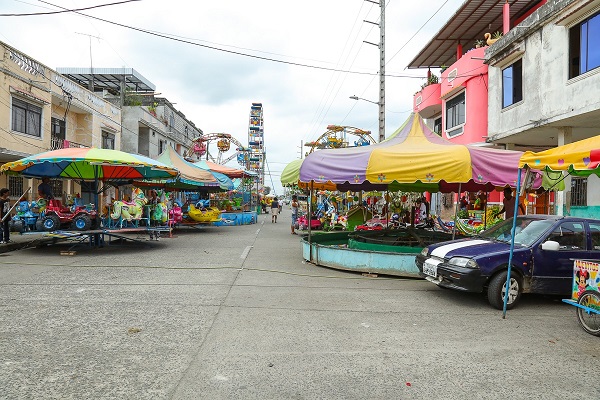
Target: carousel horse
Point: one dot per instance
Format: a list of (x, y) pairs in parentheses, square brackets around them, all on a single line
[(176, 214), (128, 211), (159, 212)]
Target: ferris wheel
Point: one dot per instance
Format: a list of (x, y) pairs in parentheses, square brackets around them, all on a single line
[(338, 136), (201, 147)]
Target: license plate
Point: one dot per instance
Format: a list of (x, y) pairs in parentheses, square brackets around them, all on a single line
[(430, 267)]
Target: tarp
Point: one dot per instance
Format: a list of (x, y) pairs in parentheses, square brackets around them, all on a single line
[(223, 169), (192, 176), (414, 158), (580, 158)]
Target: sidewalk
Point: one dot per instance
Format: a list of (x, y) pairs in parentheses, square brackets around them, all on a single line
[(21, 241)]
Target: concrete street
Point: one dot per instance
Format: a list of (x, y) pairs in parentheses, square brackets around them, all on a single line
[(235, 313)]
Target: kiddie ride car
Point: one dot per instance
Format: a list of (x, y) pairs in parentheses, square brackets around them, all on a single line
[(80, 217), (545, 246), (27, 216)]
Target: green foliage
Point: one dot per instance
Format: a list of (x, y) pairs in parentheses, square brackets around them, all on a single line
[(497, 35), (132, 98)]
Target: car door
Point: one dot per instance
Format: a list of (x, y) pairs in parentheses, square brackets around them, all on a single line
[(553, 270)]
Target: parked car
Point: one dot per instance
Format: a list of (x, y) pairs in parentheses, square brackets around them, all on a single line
[(545, 246)]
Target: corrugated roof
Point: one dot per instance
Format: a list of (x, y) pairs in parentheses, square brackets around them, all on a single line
[(109, 78), (470, 22)]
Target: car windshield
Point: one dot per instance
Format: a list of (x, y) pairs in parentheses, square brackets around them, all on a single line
[(527, 230)]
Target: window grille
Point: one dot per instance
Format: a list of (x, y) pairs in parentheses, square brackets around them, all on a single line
[(15, 186), (57, 188), (579, 191)]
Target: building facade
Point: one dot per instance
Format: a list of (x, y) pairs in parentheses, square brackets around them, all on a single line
[(531, 87), (41, 110), (149, 123), (544, 83)]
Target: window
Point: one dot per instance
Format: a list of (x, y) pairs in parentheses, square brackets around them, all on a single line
[(161, 146), (437, 126), (570, 236), (512, 84), (26, 118), (584, 46), (455, 115), (579, 191), (57, 187), (108, 141), (59, 129), (15, 186)]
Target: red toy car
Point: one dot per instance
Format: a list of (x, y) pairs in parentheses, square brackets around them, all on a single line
[(79, 217)]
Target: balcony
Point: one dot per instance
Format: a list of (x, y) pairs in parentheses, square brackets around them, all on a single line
[(428, 102), (58, 143)]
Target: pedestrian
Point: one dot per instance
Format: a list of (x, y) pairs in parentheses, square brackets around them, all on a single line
[(44, 189), (421, 210), (509, 205), (4, 208), (464, 203), (274, 210), (263, 205), (294, 213)]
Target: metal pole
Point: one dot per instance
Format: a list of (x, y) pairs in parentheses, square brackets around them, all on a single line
[(456, 211), (309, 219), (14, 205), (512, 243), (382, 73)]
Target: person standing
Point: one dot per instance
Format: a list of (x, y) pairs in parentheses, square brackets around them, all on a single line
[(274, 210), (509, 205), (44, 189), (4, 208), (294, 213)]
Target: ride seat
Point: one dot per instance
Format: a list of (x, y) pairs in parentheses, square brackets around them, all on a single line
[(57, 205)]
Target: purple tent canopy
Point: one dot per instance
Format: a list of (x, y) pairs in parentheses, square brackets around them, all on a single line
[(413, 159)]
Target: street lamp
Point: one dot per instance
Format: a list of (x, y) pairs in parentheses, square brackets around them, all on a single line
[(360, 98), (381, 116)]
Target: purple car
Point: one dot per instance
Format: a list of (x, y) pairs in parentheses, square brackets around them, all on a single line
[(545, 246)]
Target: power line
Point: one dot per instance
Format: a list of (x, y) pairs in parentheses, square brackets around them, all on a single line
[(67, 10), (170, 37)]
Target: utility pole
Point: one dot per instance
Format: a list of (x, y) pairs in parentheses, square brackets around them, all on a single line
[(301, 154), (382, 73), (381, 46)]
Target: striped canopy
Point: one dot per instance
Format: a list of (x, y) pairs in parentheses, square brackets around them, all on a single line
[(89, 163), (223, 169), (413, 158), (580, 158), (192, 176)]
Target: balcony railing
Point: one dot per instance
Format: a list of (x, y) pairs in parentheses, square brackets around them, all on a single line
[(58, 143)]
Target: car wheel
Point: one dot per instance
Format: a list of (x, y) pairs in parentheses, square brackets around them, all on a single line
[(17, 226), (589, 319), (39, 225), (497, 290), (51, 223), (82, 222)]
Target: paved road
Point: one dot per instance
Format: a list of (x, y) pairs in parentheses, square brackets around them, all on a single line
[(235, 313)]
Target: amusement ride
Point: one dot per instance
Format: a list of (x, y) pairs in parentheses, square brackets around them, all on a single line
[(338, 136)]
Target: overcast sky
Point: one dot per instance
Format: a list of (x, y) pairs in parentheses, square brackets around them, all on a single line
[(215, 89)]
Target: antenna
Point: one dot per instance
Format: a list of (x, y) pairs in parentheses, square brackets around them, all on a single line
[(91, 83)]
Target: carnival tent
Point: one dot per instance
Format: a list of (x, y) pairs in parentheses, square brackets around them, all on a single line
[(290, 176), (414, 158), (191, 176), (223, 169), (89, 163), (580, 158)]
